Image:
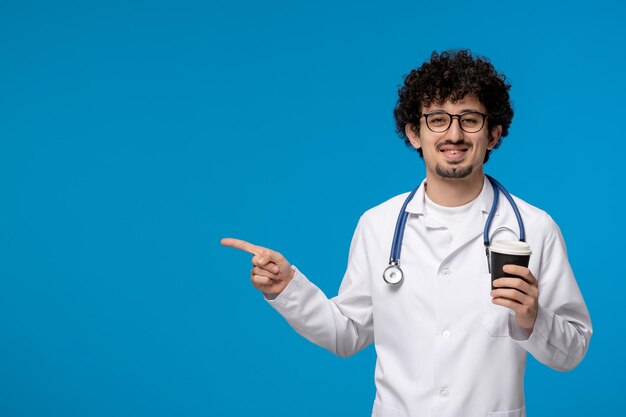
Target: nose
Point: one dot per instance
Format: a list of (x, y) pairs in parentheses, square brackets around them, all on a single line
[(455, 131)]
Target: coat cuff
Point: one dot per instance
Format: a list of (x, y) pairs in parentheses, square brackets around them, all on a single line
[(518, 334), (553, 353), (287, 295), (540, 330)]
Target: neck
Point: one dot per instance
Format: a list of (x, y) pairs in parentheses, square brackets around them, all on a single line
[(454, 192)]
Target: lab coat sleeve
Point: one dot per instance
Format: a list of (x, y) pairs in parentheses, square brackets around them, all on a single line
[(562, 329), (342, 324)]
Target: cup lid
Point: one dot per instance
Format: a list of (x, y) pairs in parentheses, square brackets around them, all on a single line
[(511, 247)]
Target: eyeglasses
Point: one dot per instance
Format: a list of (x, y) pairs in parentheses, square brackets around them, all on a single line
[(470, 121)]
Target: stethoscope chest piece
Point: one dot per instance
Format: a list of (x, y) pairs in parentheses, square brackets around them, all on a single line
[(393, 274)]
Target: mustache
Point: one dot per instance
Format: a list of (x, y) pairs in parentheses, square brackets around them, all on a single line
[(454, 142)]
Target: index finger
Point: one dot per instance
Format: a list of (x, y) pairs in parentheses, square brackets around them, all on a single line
[(520, 271), (242, 245)]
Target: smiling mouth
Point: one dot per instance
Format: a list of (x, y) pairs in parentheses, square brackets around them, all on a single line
[(454, 153)]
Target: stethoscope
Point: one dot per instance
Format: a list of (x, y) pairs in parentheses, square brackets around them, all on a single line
[(393, 273)]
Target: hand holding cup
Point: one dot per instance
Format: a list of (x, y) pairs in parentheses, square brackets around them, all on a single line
[(512, 284)]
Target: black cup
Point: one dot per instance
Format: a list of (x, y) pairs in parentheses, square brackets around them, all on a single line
[(507, 252)]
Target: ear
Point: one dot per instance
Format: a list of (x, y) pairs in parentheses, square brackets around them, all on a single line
[(494, 136), (411, 133)]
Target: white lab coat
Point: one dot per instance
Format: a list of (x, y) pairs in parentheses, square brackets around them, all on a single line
[(443, 349)]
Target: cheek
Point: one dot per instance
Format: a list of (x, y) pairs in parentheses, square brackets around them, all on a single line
[(484, 144), (430, 155)]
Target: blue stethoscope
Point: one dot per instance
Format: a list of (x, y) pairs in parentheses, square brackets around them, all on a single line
[(393, 273)]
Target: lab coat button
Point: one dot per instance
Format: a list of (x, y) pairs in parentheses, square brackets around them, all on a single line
[(446, 334), (445, 273), (444, 393)]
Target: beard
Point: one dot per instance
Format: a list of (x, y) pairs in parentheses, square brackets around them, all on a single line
[(454, 172)]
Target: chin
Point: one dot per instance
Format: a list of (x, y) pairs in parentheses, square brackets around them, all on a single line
[(454, 172)]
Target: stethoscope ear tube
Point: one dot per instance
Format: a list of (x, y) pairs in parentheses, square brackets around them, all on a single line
[(497, 188), (492, 212), (518, 215)]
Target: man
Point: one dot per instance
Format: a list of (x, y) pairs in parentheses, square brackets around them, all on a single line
[(446, 343)]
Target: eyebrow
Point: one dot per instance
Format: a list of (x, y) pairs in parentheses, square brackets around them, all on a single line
[(462, 111)]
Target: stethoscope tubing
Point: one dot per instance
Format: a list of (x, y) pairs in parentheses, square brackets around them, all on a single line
[(396, 246), (498, 186)]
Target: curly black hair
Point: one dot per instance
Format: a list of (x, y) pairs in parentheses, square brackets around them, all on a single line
[(452, 75)]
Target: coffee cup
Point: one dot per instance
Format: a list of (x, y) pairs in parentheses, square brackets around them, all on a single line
[(507, 252)]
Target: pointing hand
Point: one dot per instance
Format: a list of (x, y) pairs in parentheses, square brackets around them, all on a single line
[(270, 272)]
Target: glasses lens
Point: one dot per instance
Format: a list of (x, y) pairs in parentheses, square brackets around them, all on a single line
[(472, 122), (438, 122)]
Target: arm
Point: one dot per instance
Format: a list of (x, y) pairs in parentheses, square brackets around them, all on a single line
[(343, 324), (551, 319)]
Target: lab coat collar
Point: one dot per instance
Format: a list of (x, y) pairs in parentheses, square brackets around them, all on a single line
[(483, 201)]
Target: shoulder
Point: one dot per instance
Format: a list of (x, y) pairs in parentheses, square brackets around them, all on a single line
[(382, 218), (388, 209), (535, 217)]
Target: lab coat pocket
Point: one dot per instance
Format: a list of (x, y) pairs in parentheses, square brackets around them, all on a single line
[(520, 412), (495, 318)]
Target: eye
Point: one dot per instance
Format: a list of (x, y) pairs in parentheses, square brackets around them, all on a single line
[(470, 120), (438, 119)]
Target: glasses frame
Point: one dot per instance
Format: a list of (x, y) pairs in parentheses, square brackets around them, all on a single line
[(452, 116)]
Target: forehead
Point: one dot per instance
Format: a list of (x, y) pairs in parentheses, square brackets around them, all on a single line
[(468, 102)]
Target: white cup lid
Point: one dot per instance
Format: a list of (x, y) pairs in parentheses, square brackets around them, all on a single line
[(511, 247)]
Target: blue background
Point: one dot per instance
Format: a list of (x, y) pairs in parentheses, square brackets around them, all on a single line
[(135, 134)]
